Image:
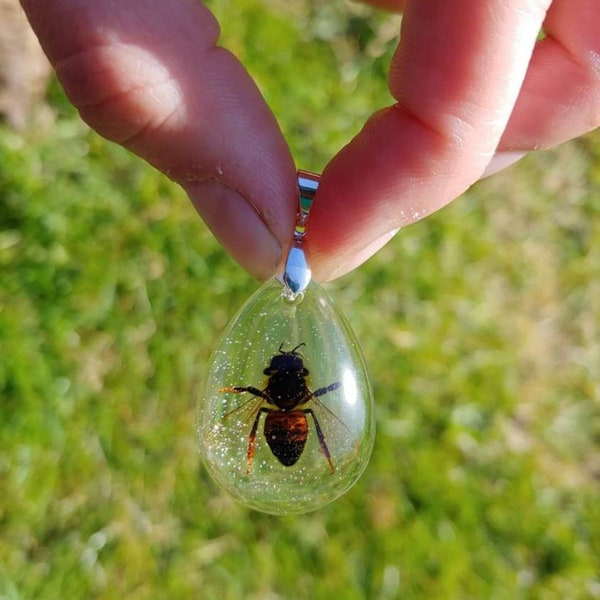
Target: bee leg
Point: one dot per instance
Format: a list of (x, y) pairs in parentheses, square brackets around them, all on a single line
[(330, 388), (321, 437), (238, 390), (252, 439)]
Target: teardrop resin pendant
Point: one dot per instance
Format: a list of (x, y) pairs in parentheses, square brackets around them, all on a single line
[(286, 420)]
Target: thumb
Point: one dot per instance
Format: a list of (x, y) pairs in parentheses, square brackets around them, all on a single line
[(150, 76)]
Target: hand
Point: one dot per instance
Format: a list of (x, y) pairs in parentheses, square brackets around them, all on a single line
[(474, 90)]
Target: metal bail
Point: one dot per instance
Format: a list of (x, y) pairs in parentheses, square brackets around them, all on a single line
[(297, 274)]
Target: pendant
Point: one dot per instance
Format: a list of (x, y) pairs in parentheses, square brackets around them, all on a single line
[(286, 422)]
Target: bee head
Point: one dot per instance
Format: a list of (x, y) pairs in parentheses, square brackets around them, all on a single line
[(290, 361)]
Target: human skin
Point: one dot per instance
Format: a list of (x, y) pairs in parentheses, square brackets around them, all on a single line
[(472, 95)]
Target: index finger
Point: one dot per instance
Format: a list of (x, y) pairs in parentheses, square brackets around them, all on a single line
[(455, 76)]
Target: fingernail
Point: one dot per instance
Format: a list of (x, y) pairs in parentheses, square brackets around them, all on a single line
[(345, 264), (501, 160), (237, 226)]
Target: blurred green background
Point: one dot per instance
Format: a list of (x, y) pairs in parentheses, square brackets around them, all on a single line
[(480, 326)]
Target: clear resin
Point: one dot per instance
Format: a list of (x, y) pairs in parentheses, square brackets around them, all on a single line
[(285, 421)]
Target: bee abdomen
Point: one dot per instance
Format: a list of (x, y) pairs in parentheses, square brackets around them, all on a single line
[(286, 434)]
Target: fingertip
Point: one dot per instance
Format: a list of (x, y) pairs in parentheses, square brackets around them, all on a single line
[(384, 179)]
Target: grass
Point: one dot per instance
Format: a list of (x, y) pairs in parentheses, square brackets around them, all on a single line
[(480, 326)]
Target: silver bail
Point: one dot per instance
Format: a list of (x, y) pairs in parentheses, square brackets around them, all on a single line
[(297, 273)]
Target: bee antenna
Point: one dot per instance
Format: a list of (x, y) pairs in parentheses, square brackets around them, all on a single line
[(292, 351)]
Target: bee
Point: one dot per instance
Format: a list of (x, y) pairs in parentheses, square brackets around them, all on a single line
[(287, 406)]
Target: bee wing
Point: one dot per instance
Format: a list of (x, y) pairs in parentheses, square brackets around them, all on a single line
[(342, 443), (327, 418), (245, 412)]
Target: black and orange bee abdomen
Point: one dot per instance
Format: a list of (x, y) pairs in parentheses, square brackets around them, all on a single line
[(286, 434)]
